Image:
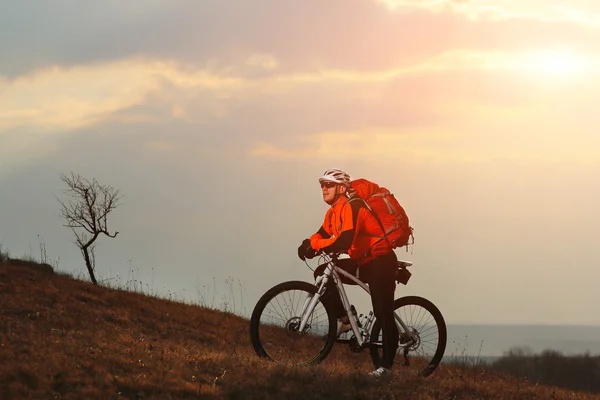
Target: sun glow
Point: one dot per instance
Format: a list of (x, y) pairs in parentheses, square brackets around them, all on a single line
[(556, 62)]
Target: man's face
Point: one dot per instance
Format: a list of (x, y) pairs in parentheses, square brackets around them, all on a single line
[(331, 190)]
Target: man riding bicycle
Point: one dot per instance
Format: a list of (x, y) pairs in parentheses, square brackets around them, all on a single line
[(350, 227)]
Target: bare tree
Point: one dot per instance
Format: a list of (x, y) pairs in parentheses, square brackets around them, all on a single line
[(86, 213)]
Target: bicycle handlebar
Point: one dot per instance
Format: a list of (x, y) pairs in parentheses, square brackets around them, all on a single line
[(333, 256)]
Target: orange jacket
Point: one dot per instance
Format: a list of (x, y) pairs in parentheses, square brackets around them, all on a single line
[(349, 227)]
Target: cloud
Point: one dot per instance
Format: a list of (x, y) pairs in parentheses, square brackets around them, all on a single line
[(580, 13), (343, 34), (462, 7), (537, 128), (264, 61), (276, 114), (384, 144), (393, 146), (61, 98)]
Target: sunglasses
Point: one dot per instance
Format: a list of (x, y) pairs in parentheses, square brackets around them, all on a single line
[(328, 184)]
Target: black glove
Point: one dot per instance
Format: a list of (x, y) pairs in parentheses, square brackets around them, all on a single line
[(306, 251)]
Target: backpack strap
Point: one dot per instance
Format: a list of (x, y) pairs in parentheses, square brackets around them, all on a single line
[(354, 211), (385, 234)]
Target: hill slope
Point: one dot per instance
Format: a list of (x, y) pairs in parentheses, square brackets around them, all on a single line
[(61, 338)]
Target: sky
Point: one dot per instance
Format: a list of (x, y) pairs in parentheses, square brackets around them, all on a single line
[(216, 118)]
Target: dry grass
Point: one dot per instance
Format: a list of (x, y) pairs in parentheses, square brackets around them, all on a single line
[(62, 338)]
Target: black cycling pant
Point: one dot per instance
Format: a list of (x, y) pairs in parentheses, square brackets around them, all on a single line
[(380, 275)]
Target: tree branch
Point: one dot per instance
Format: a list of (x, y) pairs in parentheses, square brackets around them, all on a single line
[(86, 213)]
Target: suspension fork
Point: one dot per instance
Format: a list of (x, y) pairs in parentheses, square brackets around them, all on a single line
[(310, 302)]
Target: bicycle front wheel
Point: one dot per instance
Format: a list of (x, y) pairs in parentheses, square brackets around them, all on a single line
[(275, 325), (421, 346)]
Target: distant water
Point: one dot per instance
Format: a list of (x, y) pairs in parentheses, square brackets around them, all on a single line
[(491, 341)]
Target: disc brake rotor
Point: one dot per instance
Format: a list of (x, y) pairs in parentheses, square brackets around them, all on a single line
[(292, 326)]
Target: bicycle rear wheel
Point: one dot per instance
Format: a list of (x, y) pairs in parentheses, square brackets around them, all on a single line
[(275, 322), (421, 348)]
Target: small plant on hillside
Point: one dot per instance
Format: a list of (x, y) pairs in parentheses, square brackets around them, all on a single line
[(4, 255), (232, 300), (44, 254), (86, 214)]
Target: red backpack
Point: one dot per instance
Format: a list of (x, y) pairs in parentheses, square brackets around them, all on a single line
[(387, 211)]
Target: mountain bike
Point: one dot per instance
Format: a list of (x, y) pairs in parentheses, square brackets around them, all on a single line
[(291, 324)]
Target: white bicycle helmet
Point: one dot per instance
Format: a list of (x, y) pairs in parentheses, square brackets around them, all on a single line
[(335, 175)]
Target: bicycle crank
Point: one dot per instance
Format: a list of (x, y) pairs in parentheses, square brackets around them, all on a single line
[(409, 341)]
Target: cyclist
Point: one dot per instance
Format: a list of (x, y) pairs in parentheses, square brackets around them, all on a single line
[(349, 227)]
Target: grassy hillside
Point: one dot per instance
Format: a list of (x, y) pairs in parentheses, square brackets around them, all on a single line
[(62, 338)]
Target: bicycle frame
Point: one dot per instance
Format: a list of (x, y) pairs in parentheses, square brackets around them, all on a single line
[(332, 270)]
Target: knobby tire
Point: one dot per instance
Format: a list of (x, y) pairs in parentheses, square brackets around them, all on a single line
[(259, 309), (439, 322)]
